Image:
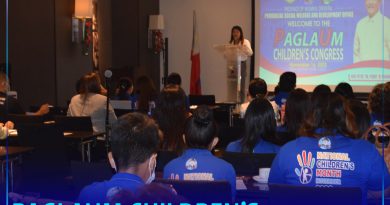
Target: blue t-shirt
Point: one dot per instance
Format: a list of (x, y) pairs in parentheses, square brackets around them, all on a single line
[(281, 98), (200, 164), (260, 148), (376, 120), (330, 161), (100, 192)]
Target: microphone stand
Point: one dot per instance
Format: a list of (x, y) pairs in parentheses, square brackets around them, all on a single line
[(107, 121)]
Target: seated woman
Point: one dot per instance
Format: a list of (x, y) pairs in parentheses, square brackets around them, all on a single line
[(170, 114), (91, 103), (197, 162), (296, 108), (260, 129), (124, 91), (329, 153), (379, 104)]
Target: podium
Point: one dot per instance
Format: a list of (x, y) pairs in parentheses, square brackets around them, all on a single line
[(235, 56)]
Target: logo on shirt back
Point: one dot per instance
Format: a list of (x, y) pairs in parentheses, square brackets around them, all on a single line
[(306, 162), (191, 164)]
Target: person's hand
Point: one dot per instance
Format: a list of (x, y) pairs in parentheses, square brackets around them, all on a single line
[(9, 125), (103, 90), (44, 109)]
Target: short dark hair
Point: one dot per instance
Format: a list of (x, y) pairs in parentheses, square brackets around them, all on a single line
[(257, 88), (345, 90), (320, 90), (333, 115), (297, 105), (174, 78), (260, 124), (200, 129), (134, 138), (287, 81)]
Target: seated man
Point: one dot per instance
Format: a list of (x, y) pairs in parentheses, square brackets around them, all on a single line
[(10, 105), (134, 143)]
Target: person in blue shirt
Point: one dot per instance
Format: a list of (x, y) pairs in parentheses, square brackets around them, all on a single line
[(379, 104), (124, 91), (286, 84), (329, 153), (260, 129), (197, 162), (134, 144)]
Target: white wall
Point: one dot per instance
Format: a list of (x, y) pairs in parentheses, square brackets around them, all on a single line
[(215, 19)]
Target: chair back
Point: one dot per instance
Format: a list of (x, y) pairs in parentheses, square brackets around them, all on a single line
[(201, 191), (84, 174), (47, 166), (202, 99), (163, 158), (248, 164), (18, 119), (306, 195), (68, 123)]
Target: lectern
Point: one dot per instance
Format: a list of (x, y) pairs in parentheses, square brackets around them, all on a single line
[(234, 55)]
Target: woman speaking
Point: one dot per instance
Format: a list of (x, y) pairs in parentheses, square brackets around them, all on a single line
[(245, 50)]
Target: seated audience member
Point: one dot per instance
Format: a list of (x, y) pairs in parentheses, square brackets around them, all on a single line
[(296, 108), (170, 114), (257, 88), (174, 79), (146, 94), (124, 91), (134, 144), (10, 105), (320, 90), (260, 129), (91, 103), (197, 162), (151, 194), (379, 104), (345, 90), (287, 83), (362, 116), (328, 146)]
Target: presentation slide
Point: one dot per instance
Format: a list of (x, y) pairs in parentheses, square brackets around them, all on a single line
[(323, 42)]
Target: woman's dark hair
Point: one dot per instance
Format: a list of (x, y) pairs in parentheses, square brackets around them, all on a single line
[(174, 78), (260, 124), (297, 105), (241, 34), (287, 81), (171, 113), (257, 88), (200, 129), (379, 101), (321, 89), (345, 90), (362, 116), (90, 83), (124, 85), (332, 114), (146, 91)]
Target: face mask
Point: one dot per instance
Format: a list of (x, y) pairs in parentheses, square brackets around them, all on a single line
[(152, 175)]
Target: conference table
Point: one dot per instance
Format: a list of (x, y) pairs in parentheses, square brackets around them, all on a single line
[(9, 155), (85, 138)]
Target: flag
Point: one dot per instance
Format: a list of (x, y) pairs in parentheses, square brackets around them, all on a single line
[(195, 88)]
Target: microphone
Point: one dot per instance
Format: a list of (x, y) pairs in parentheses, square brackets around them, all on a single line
[(108, 73)]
